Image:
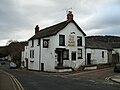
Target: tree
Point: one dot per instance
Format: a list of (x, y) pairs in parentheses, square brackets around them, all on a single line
[(10, 41), (14, 49), (3, 51)]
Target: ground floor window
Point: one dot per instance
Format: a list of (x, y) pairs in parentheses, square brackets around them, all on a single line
[(66, 54), (102, 54), (79, 53), (73, 55)]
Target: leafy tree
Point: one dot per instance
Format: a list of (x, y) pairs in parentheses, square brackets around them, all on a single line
[(3, 51)]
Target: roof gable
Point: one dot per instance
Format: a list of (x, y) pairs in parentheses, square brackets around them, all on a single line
[(53, 30)]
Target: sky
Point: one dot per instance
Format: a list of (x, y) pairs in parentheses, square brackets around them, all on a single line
[(18, 18)]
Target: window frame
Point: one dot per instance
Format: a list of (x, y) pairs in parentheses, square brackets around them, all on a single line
[(79, 53), (31, 53), (73, 55), (103, 54), (67, 54), (32, 43), (79, 41), (38, 42), (61, 40)]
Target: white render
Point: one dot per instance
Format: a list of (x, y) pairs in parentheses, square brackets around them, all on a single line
[(24, 56), (48, 57), (96, 56)]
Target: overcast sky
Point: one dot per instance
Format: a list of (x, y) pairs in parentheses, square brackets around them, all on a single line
[(18, 18)]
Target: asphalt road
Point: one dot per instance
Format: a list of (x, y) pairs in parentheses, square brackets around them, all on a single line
[(93, 80)]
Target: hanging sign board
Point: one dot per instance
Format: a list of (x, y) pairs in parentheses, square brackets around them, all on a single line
[(45, 43), (71, 41)]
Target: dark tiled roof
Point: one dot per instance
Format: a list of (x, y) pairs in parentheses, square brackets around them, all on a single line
[(105, 38), (94, 44), (53, 30), (103, 42), (115, 44)]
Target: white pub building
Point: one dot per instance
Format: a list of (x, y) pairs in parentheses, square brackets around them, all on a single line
[(57, 48)]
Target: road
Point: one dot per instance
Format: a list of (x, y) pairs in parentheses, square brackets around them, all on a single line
[(92, 80)]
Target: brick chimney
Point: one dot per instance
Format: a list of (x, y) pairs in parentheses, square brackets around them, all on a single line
[(69, 16), (36, 29)]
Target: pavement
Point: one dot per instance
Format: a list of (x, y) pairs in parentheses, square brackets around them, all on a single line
[(9, 82), (115, 78)]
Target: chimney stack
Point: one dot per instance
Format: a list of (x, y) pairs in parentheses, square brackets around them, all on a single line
[(36, 29), (69, 16)]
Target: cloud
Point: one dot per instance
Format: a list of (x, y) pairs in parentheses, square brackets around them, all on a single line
[(106, 20), (19, 17)]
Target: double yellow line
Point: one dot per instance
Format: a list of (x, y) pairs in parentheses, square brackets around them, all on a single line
[(15, 82)]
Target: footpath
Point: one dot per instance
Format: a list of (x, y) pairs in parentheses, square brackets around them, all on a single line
[(115, 78), (9, 82)]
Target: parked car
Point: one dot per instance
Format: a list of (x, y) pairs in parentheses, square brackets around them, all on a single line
[(13, 65), (117, 67)]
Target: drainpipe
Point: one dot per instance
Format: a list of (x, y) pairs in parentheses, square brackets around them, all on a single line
[(85, 55), (40, 55)]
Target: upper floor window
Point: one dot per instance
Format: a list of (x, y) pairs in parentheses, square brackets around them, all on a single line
[(79, 41), (32, 43), (61, 40), (31, 53), (38, 42)]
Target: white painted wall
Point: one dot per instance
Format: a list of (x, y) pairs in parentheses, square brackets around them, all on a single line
[(33, 63), (24, 54), (96, 56), (48, 55), (67, 31)]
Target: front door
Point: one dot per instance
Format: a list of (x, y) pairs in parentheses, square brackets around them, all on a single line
[(26, 63), (60, 58), (88, 58)]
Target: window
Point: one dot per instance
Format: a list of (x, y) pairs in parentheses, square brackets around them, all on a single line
[(66, 54), (32, 43), (61, 40), (38, 42), (79, 41), (79, 53), (102, 54), (73, 55), (31, 53)]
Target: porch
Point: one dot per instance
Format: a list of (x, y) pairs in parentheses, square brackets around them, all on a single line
[(67, 66)]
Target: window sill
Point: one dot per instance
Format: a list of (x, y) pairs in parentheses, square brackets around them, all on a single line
[(61, 45), (80, 46), (73, 60), (65, 58), (80, 58)]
